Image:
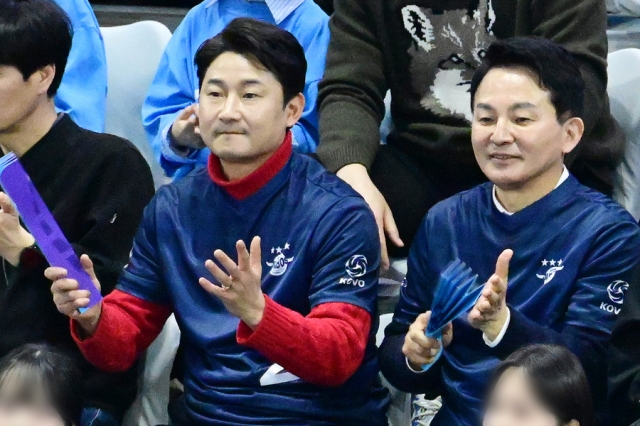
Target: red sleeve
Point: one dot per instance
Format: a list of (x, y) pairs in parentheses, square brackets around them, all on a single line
[(324, 348), (127, 326)]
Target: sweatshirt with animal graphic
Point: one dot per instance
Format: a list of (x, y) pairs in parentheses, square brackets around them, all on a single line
[(425, 52)]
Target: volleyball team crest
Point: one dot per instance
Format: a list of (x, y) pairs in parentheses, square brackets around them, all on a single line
[(281, 261)]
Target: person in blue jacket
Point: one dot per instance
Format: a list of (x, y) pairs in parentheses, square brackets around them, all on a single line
[(566, 254), (83, 92), (168, 111)]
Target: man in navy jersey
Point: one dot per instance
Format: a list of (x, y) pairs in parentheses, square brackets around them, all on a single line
[(556, 256), (278, 328)]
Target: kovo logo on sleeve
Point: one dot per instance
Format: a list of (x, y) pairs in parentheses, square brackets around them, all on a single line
[(616, 291), (355, 267)]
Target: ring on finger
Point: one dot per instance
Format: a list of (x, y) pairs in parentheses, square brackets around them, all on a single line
[(227, 286)]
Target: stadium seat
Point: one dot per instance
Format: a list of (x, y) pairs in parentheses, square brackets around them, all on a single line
[(624, 94), (133, 54), (150, 406)]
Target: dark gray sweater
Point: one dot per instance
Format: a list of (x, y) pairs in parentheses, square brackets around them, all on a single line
[(425, 52)]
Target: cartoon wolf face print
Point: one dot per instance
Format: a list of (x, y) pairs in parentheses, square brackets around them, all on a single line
[(448, 45)]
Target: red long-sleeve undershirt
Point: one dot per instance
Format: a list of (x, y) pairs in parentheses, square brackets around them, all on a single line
[(324, 348)]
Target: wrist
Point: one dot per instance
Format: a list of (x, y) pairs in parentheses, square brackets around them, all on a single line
[(352, 170), (176, 145), (255, 315), (414, 367), (25, 241), (88, 322), (494, 328)]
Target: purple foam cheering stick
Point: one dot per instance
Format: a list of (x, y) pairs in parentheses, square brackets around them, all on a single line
[(40, 222)]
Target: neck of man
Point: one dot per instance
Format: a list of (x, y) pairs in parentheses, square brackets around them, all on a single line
[(516, 199), (236, 170), (23, 135)]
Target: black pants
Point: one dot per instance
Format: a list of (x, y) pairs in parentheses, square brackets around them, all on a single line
[(412, 185)]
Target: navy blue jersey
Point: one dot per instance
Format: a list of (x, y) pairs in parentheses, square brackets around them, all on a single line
[(319, 245), (575, 253)]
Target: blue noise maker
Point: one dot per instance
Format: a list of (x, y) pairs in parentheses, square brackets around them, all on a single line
[(457, 292), (41, 224)]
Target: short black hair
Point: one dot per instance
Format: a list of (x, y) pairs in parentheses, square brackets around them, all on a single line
[(265, 45), (555, 67), (558, 380), (34, 34), (33, 370)]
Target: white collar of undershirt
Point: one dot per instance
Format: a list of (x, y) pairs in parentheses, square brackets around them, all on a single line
[(280, 9), (564, 176)]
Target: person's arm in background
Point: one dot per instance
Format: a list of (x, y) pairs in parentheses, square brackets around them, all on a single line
[(351, 97), (624, 362), (83, 90), (351, 101), (312, 32), (172, 93)]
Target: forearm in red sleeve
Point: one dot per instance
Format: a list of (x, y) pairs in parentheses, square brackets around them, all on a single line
[(127, 326), (324, 348)]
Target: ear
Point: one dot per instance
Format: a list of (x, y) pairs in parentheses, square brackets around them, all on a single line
[(196, 128), (44, 77), (573, 423), (573, 130), (294, 109)]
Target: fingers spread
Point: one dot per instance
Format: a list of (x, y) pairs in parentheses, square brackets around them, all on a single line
[(243, 256), (215, 270), (211, 288), (227, 262), (255, 257)]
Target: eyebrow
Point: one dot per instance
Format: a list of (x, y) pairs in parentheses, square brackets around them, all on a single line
[(519, 105), (243, 83)]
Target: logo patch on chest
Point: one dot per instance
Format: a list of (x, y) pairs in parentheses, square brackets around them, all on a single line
[(555, 266), (280, 261)]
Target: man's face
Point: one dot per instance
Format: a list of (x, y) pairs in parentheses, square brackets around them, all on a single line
[(517, 139), (18, 98), (241, 115)]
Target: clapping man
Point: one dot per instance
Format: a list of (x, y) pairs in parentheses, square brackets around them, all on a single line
[(277, 327), (555, 255)]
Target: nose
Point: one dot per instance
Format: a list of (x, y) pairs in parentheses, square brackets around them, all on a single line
[(231, 109), (502, 133)]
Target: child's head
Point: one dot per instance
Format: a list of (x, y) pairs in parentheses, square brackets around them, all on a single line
[(540, 385), (39, 386)]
